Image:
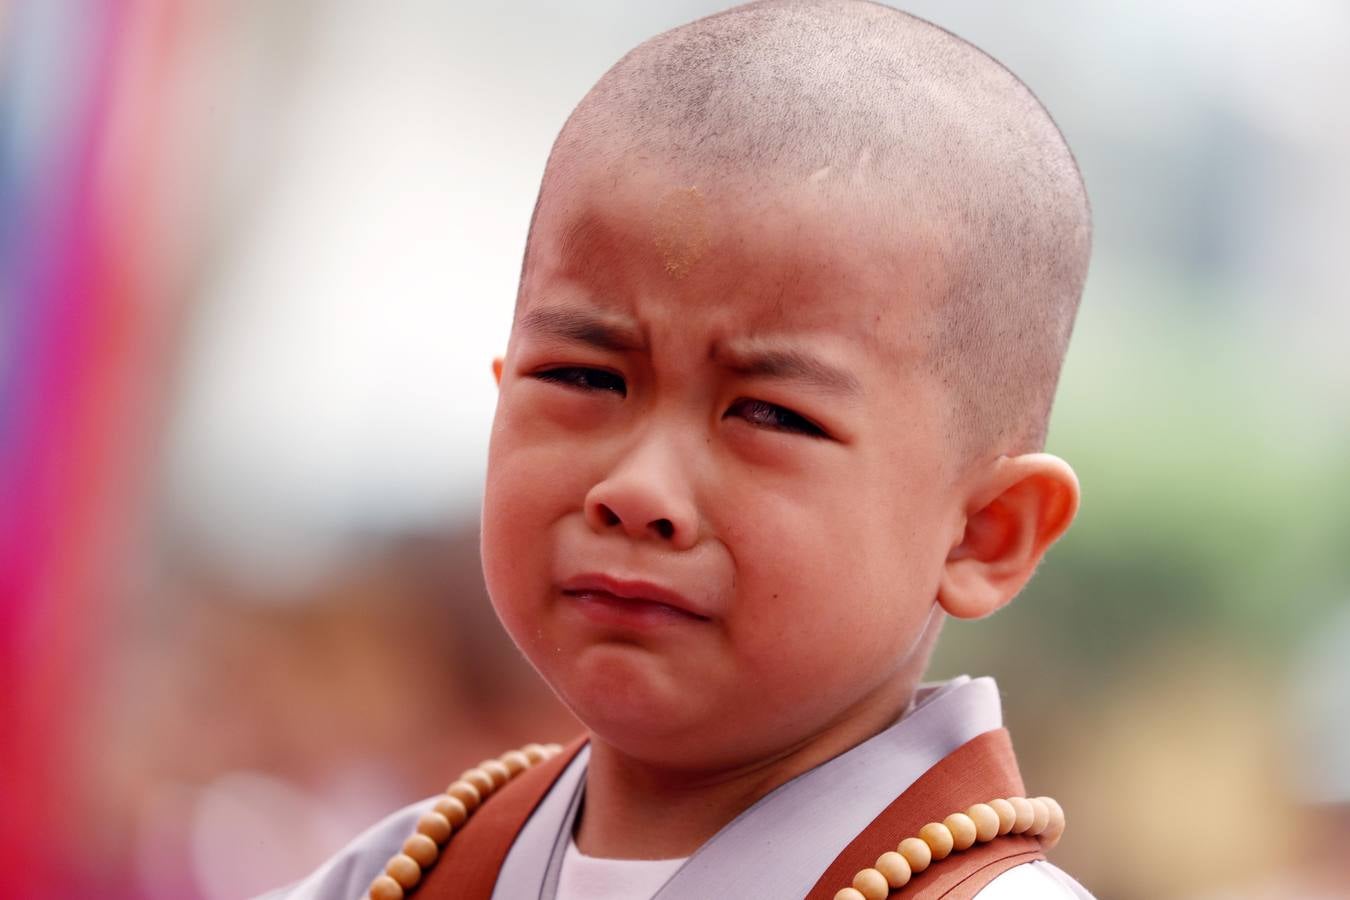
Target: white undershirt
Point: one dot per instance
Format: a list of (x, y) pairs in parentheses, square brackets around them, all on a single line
[(591, 878)]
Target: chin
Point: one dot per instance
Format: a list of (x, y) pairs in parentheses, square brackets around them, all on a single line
[(627, 697)]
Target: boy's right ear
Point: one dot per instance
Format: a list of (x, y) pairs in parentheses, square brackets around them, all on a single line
[(497, 370)]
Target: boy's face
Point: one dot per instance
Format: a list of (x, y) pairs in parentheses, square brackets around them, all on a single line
[(720, 491)]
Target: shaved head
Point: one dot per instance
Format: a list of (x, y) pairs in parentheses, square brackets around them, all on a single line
[(894, 118)]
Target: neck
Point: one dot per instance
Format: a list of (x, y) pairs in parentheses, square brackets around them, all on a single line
[(638, 811)]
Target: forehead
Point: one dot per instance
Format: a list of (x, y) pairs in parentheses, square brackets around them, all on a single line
[(742, 257)]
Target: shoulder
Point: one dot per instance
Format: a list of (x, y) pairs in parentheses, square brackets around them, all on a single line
[(1034, 881), (349, 873)]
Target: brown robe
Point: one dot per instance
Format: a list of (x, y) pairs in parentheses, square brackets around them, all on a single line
[(979, 770)]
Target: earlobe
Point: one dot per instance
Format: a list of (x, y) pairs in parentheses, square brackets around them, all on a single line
[(497, 363), (1016, 511)]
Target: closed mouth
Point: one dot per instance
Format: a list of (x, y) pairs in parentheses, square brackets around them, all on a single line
[(630, 595)]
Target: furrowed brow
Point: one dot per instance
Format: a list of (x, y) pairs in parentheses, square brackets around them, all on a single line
[(580, 327), (794, 365)]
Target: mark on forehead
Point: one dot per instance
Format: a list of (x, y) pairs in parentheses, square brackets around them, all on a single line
[(681, 230)]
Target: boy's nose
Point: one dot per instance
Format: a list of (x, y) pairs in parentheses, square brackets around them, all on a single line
[(646, 498)]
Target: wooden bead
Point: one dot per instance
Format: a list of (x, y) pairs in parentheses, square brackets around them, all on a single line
[(962, 828), (515, 762), (1055, 829), (422, 849), (435, 826), (895, 868), (1041, 819), (871, 884), (1006, 815), (479, 779), (465, 793), (1026, 814), (499, 773), (986, 821), (916, 852), (452, 808), (938, 838), (385, 888), (404, 869), (848, 893)]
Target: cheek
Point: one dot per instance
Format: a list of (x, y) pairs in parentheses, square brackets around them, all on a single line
[(530, 485), (804, 532), (831, 575), (532, 465)]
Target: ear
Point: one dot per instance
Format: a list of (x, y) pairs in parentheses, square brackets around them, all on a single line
[(497, 370), (1016, 510)]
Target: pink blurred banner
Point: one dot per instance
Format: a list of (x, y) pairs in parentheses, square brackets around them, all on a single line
[(82, 89)]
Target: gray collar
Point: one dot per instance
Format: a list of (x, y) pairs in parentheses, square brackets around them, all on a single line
[(766, 851)]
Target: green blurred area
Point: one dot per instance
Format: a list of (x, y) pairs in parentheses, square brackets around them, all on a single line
[(1215, 473), (1148, 668)]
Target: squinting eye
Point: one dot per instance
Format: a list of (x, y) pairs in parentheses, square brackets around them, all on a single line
[(585, 379), (767, 415)]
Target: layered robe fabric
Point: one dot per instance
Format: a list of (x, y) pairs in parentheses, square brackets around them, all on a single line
[(803, 840)]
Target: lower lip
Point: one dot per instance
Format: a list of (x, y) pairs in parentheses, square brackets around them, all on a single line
[(606, 609)]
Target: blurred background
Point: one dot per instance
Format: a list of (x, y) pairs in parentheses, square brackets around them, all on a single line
[(255, 259)]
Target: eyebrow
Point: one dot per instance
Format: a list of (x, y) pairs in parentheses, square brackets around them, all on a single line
[(794, 365), (581, 327)]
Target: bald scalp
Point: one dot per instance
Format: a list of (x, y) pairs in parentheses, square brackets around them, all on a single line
[(887, 111)]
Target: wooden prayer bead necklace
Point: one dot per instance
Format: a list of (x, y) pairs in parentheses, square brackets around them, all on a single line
[(450, 811), (1041, 817)]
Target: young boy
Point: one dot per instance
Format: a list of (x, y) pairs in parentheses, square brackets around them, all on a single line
[(795, 297)]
